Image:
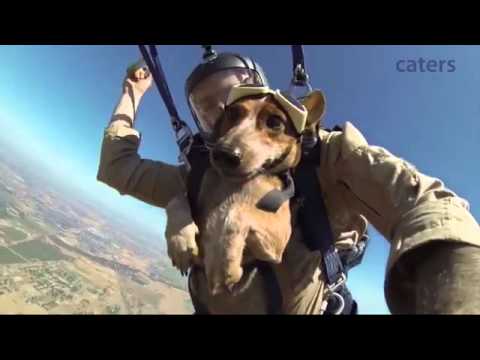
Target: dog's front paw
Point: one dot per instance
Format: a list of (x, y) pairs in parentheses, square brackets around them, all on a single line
[(182, 247), (181, 233)]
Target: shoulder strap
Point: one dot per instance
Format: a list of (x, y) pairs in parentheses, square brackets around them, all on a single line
[(199, 162), (313, 215), (272, 287), (199, 307), (317, 232), (183, 133), (300, 76)]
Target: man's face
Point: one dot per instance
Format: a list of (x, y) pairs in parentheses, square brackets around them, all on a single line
[(208, 98)]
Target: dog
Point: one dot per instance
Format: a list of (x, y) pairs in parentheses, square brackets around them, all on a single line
[(256, 140)]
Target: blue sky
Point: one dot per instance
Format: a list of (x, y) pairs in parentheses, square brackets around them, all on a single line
[(56, 100)]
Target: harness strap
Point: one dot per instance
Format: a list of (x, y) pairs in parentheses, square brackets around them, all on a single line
[(314, 217), (272, 288), (317, 230), (199, 307), (200, 162), (272, 201), (300, 76), (183, 134)]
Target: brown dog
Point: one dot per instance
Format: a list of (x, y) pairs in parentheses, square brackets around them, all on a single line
[(256, 140)]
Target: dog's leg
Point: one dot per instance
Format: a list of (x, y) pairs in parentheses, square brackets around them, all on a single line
[(224, 252), (180, 234)]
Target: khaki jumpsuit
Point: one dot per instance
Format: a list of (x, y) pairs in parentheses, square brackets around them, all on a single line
[(361, 184)]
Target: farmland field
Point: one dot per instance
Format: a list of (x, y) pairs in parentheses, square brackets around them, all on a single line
[(7, 257), (13, 235), (38, 250)]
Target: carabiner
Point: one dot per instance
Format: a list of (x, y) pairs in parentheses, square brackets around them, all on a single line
[(341, 305), (331, 291), (300, 80)]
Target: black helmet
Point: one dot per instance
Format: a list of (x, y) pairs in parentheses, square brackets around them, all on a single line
[(215, 63), (224, 61)]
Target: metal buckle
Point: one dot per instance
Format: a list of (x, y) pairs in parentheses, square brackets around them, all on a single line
[(300, 80), (300, 76), (331, 291)]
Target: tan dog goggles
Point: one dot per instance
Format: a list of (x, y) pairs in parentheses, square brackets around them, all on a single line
[(295, 109)]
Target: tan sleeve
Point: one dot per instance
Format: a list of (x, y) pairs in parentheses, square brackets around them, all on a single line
[(122, 168), (407, 207)]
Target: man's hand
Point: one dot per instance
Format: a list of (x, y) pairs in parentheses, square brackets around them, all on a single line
[(138, 80), (135, 84)]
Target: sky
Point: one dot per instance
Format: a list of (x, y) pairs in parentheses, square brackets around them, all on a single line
[(55, 102)]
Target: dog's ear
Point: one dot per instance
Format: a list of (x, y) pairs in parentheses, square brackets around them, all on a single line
[(315, 104)]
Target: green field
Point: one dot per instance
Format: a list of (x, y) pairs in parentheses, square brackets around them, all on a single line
[(3, 204), (7, 257), (13, 235), (33, 227), (39, 250)]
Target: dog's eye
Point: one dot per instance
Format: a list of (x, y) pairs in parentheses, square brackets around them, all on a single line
[(275, 123)]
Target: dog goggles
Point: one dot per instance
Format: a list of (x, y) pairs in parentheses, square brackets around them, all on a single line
[(295, 109)]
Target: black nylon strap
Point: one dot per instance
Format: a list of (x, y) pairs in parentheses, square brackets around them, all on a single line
[(199, 307), (300, 77), (272, 201), (200, 162), (272, 288), (158, 75), (314, 216), (182, 131), (317, 230)]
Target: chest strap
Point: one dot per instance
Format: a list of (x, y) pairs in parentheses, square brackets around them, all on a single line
[(272, 201)]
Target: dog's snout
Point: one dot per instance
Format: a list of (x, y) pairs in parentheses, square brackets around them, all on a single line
[(228, 157)]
